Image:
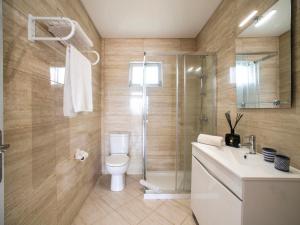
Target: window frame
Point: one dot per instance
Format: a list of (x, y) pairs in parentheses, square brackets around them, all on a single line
[(160, 74)]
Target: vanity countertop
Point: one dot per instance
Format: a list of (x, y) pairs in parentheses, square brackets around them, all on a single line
[(253, 167)]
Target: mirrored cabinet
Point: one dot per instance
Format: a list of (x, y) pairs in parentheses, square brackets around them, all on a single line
[(263, 59)]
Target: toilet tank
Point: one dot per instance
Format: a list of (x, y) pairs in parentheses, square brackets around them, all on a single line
[(119, 143)]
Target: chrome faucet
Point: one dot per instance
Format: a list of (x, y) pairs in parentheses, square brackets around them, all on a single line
[(251, 144)]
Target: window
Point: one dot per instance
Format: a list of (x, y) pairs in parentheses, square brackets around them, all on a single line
[(153, 74), (57, 75)]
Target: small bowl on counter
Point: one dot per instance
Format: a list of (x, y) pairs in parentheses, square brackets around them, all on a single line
[(269, 154), (282, 163)]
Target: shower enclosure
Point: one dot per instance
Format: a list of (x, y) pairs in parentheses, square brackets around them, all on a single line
[(179, 102)]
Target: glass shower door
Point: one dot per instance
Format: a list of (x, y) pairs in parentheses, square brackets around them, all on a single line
[(160, 107), (176, 110)]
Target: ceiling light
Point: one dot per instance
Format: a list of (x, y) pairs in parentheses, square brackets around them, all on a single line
[(265, 18), (198, 69), (190, 69), (248, 18)]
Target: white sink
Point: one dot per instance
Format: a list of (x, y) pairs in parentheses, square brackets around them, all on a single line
[(253, 166), (242, 190), (241, 157)]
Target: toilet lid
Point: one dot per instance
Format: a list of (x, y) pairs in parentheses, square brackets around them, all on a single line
[(117, 160)]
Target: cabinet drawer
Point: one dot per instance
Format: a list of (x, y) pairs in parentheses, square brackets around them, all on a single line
[(226, 177), (212, 203)]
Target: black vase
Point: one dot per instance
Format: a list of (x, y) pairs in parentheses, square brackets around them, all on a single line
[(232, 139)]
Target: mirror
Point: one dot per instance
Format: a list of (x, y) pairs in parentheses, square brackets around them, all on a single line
[(263, 59)]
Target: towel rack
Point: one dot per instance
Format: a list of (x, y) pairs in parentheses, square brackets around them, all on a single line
[(97, 55), (64, 29)]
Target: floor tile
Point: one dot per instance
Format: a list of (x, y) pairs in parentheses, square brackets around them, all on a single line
[(184, 202), (134, 211), (151, 203), (173, 212), (189, 221), (112, 219), (128, 207), (134, 189), (100, 191), (78, 221), (94, 210), (155, 219), (117, 199)]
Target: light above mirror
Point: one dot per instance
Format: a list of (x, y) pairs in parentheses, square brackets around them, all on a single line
[(265, 18), (248, 18)]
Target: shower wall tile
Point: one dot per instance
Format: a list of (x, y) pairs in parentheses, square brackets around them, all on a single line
[(124, 47), (162, 45), (44, 184), (276, 128), (161, 163), (122, 105), (188, 44)]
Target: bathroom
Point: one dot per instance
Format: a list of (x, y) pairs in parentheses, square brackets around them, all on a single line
[(146, 149)]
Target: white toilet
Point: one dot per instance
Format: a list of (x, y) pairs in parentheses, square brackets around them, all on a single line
[(117, 162)]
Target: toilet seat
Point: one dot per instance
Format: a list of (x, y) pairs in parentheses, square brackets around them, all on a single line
[(117, 160)]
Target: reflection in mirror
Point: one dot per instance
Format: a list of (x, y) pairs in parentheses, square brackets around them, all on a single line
[(263, 60)]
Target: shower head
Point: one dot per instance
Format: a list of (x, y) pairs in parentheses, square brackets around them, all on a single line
[(201, 76)]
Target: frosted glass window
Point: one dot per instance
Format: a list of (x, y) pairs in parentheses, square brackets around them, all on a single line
[(153, 74)]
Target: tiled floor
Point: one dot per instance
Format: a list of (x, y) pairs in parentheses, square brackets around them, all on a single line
[(128, 207)]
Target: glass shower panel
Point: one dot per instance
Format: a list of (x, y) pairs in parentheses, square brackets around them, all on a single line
[(161, 126), (196, 109), (174, 115)]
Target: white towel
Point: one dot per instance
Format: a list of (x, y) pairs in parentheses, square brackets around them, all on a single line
[(210, 140), (78, 95)]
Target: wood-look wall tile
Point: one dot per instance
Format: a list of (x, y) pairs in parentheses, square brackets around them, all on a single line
[(44, 203), (18, 99), (122, 104), (44, 184), (125, 47), (18, 176), (188, 44), (162, 45), (43, 153), (273, 128)]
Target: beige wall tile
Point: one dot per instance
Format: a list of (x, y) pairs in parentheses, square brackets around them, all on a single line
[(277, 128), (44, 184), (123, 104)]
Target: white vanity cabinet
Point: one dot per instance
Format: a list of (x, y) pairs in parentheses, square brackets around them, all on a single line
[(212, 203), (228, 189)]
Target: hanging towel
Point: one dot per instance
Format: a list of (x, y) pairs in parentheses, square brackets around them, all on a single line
[(78, 95), (210, 140)]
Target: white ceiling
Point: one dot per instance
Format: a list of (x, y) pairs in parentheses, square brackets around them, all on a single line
[(150, 18), (278, 24)]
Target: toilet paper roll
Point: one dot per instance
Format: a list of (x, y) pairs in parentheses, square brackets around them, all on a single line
[(84, 154), (81, 155)]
